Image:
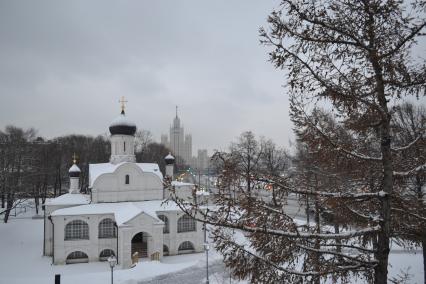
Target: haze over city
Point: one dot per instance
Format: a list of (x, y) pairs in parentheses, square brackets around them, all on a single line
[(66, 64)]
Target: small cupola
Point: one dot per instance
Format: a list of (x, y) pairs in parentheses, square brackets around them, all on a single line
[(74, 173), (169, 159)]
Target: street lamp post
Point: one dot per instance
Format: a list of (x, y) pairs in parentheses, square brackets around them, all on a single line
[(112, 262), (206, 248), (199, 194)]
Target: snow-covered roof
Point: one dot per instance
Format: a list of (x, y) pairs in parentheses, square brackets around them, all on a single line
[(74, 168), (122, 120), (69, 199), (169, 157), (123, 211), (95, 170), (179, 183)]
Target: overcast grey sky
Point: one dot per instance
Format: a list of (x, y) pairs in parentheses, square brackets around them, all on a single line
[(65, 64)]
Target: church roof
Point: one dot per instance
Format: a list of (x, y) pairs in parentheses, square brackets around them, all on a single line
[(74, 168), (69, 199), (181, 184), (122, 125), (95, 170), (123, 211)]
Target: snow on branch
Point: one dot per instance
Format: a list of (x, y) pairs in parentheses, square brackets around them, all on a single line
[(243, 249), (410, 172), (340, 236), (409, 213), (408, 146), (195, 212), (339, 148), (379, 194), (332, 252)]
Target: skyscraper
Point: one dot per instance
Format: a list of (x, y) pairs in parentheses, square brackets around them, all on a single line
[(179, 143)]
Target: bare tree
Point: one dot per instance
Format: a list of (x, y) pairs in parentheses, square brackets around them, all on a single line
[(275, 161), (154, 153), (142, 139), (408, 207), (246, 155), (17, 166)]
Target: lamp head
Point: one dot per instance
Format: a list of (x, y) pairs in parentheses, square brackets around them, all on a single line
[(112, 261)]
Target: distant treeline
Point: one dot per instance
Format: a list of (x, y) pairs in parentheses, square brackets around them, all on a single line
[(36, 167)]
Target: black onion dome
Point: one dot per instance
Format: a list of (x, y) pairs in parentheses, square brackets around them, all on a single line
[(74, 171), (169, 159), (122, 126)]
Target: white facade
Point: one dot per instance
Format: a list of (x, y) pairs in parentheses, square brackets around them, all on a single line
[(124, 213), (122, 149)]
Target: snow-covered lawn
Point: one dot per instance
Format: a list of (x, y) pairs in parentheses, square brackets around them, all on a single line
[(21, 248), (22, 262)]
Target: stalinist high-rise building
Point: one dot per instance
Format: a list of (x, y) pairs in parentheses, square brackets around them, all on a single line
[(179, 143)]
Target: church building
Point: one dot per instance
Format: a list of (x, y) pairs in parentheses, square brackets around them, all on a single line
[(124, 215)]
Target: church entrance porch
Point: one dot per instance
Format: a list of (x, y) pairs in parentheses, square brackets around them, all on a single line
[(140, 244)]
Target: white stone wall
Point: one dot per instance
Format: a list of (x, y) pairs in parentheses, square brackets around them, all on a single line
[(122, 149), (92, 247), (173, 239), (48, 228), (142, 223), (111, 187)]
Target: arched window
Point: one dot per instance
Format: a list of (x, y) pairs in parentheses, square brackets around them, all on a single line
[(166, 223), (77, 257), (186, 247), (127, 179), (186, 224), (77, 230), (107, 229), (165, 250), (105, 254)]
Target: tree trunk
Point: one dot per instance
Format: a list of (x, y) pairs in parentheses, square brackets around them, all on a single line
[(9, 206), (381, 270), (424, 257), (382, 255), (316, 280)]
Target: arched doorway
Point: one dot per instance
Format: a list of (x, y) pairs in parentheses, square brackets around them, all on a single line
[(140, 244)]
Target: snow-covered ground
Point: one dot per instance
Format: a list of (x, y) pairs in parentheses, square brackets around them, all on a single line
[(22, 262)]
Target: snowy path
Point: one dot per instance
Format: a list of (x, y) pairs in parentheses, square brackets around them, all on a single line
[(191, 275)]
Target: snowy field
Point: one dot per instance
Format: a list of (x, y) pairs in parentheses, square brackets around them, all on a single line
[(22, 262)]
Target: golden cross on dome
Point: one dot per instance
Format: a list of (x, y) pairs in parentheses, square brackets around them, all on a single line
[(122, 101), (74, 158)]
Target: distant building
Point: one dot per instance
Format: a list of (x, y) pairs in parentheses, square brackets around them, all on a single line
[(202, 160), (179, 143)]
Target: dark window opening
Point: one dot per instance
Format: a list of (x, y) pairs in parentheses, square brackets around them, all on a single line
[(127, 179)]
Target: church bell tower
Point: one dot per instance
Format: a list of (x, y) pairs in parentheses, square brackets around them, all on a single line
[(122, 138)]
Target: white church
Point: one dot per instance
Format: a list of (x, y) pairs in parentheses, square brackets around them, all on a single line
[(124, 215)]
